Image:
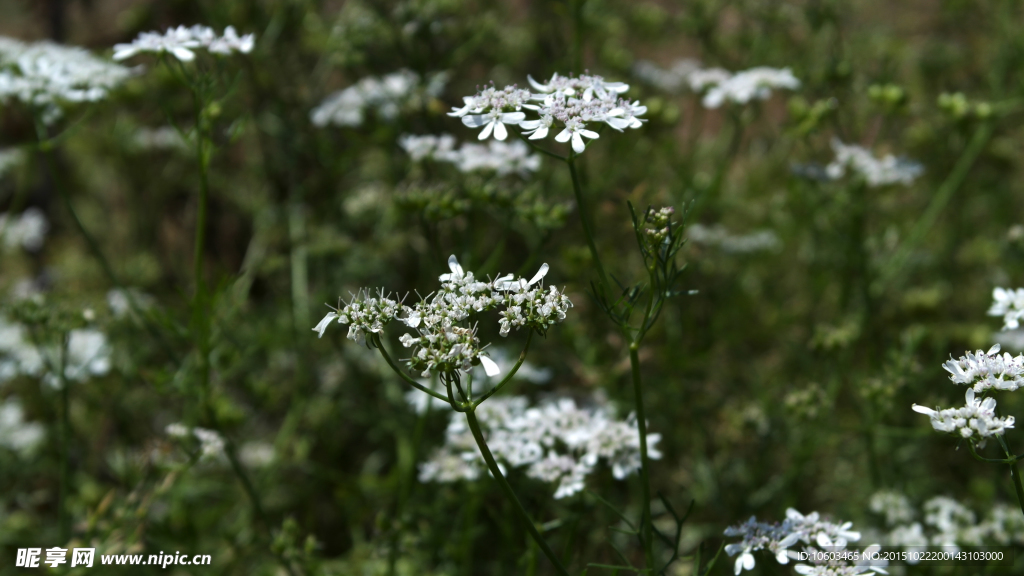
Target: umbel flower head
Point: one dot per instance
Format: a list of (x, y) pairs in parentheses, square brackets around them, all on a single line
[(556, 442), (875, 171), (182, 43), (808, 530), (47, 75), (569, 106), (443, 343), (1009, 304)]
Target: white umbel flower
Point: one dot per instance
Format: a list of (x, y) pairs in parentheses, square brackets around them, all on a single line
[(182, 42), (1008, 303), (569, 105), (875, 171), (555, 442)]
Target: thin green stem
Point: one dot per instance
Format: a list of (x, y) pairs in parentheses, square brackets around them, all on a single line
[(896, 267), (94, 246), (524, 517), (646, 526), (538, 148), (65, 442), (375, 338), (511, 373), (1014, 473), (585, 219)]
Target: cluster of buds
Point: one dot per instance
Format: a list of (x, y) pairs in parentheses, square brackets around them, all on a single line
[(657, 228), (573, 103)]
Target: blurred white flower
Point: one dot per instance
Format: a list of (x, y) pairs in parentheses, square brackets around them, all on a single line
[(256, 454), (672, 79), (499, 157), (15, 433), (556, 442), (120, 305), (876, 172), (47, 75), (894, 506), (27, 230), (718, 236), (162, 138), (742, 87), (211, 444), (386, 96), (9, 158), (1009, 304)]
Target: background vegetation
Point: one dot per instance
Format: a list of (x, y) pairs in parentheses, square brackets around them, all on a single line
[(786, 380)]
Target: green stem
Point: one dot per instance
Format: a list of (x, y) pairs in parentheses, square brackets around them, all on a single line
[(511, 373), (585, 219), (65, 442), (646, 526), (577, 35), (1014, 473), (375, 338), (897, 265), (94, 246), (524, 517), (299, 265)]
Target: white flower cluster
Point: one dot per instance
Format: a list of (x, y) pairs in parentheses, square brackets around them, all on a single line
[(363, 314), (722, 86), (797, 528), (27, 230), (447, 349), (672, 79), (894, 506), (1009, 304), (482, 382), (987, 370), (499, 157), (976, 421), (182, 42), (46, 75), (573, 104), (557, 442), (386, 96), (946, 522), (88, 355), (440, 344), (876, 172), (717, 235), (211, 444), (15, 433)]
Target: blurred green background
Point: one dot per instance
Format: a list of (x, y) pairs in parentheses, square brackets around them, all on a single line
[(786, 380)]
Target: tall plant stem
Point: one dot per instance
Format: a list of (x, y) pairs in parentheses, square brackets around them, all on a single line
[(64, 523), (201, 319), (588, 230), (1014, 472), (896, 267), (46, 148), (646, 526), (524, 517)]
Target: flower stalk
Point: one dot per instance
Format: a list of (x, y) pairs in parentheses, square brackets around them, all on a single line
[(521, 514)]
